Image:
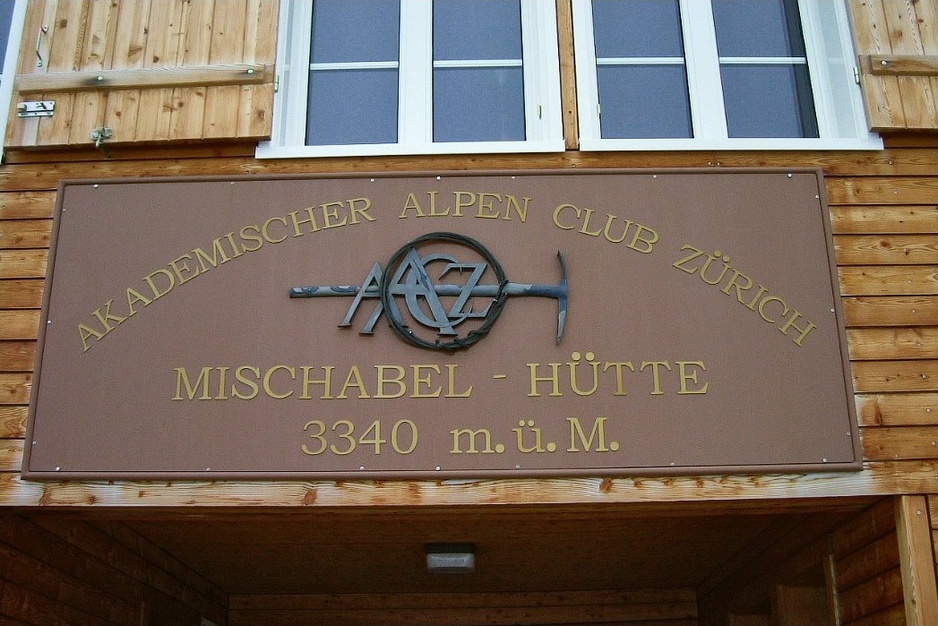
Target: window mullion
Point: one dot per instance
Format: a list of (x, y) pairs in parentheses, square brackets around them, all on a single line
[(703, 70), (587, 87), (543, 118), (294, 84), (415, 91)]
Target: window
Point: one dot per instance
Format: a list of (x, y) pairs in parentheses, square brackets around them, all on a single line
[(716, 74), (12, 17), (363, 77)]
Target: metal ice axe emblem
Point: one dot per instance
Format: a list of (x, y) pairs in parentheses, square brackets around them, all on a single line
[(405, 276)]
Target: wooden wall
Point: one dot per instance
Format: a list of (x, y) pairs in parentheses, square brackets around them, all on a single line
[(56, 571), (883, 206)]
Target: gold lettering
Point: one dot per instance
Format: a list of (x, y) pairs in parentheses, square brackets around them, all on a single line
[(157, 293), (464, 199), (180, 267), (311, 220), (107, 317), (687, 375), (243, 233), (325, 382), (554, 379), (656, 374), (486, 208), (265, 229), (513, 202), (383, 380), (451, 384), (269, 374), (803, 332), (411, 204), (421, 380), (133, 297), (239, 376), (473, 434), (557, 212), (598, 432), (85, 332), (330, 216), (354, 379), (355, 212), (182, 380)]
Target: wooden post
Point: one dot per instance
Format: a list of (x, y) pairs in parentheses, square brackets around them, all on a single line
[(916, 560)]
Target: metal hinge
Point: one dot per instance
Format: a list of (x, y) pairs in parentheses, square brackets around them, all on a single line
[(856, 74), (35, 108)]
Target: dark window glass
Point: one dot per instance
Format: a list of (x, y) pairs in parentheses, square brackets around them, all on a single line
[(351, 107), (644, 102), (478, 104), (480, 29), (355, 30), (764, 99), (758, 28), (637, 28), (474, 99)]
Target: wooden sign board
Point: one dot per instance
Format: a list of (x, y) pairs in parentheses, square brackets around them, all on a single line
[(442, 326)]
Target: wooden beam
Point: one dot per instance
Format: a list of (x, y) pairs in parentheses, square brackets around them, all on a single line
[(900, 65), (917, 561), (145, 78)]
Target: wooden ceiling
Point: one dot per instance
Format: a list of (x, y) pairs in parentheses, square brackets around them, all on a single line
[(518, 549)]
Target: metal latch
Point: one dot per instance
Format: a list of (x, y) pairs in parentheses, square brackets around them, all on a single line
[(35, 108)]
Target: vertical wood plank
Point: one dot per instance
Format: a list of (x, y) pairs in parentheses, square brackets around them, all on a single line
[(65, 37), (571, 130), (918, 99), (916, 561), (880, 93), (34, 46), (260, 46), (163, 49), (130, 42), (228, 44), (94, 46), (188, 110)]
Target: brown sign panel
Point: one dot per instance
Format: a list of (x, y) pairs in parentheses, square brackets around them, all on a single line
[(442, 325)]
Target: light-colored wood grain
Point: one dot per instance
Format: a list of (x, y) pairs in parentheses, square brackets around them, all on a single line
[(917, 561), (920, 342)]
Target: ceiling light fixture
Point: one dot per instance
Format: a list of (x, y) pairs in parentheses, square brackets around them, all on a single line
[(451, 558)]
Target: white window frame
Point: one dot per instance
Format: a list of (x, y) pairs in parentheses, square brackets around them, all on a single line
[(841, 117), (542, 99), (10, 58)]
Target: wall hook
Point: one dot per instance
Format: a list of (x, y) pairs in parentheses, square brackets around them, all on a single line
[(99, 135)]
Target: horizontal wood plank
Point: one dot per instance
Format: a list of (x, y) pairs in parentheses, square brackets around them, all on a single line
[(900, 442), (886, 249), (895, 280), (19, 324), (916, 342), (878, 478), (864, 529), (21, 294), (871, 596), (23, 263), (883, 166), (886, 310), (11, 455), (880, 556), (897, 409), (15, 388), (900, 64), (12, 421), (28, 85), (25, 233), (884, 219), (17, 356), (888, 376), (30, 205), (883, 190)]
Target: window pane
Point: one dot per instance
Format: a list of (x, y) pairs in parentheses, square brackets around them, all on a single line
[(478, 104), (352, 106), (768, 101), (643, 102), (637, 28), (355, 30), (479, 29), (6, 16), (758, 28)]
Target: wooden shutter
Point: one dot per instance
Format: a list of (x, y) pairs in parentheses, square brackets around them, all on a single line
[(146, 70), (897, 42)]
